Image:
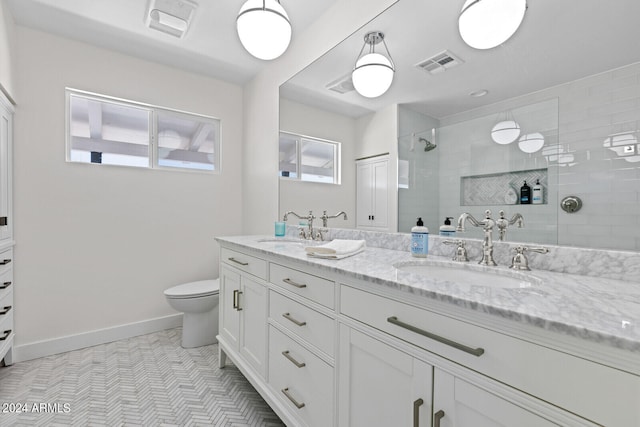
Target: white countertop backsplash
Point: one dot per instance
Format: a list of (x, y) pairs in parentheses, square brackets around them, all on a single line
[(589, 294)]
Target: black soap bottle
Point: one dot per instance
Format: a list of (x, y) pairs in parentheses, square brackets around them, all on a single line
[(525, 194)]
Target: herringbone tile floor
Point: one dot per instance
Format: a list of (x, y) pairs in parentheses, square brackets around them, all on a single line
[(143, 381)]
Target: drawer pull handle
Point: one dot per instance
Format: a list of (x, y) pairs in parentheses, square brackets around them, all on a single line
[(5, 261), (475, 351), (6, 335), (236, 299), (5, 285), (294, 401), (416, 412), (437, 417), (291, 319), (294, 361), (292, 283), (6, 310), (232, 259)]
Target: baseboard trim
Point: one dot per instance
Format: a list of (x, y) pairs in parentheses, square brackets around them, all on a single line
[(48, 347)]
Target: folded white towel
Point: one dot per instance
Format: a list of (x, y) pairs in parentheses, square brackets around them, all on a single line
[(336, 248)]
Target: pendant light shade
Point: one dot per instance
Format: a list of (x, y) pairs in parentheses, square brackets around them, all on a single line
[(531, 142), (264, 28), (373, 72), (485, 24), (505, 132)]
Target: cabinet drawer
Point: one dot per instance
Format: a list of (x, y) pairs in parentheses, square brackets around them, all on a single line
[(315, 288), (556, 377), (305, 378), (6, 261), (247, 263), (6, 283), (303, 321), (6, 312)]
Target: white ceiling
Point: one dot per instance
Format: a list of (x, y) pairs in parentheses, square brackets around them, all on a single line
[(558, 42), (210, 47)]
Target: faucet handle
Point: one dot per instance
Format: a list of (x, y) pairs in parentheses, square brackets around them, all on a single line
[(461, 250), (520, 261)]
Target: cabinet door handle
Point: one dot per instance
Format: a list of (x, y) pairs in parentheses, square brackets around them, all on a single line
[(5, 261), (416, 412), (291, 319), (6, 335), (5, 285), (475, 351), (6, 310), (437, 417), (292, 283), (292, 360), (236, 299), (294, 401), (232, 259)]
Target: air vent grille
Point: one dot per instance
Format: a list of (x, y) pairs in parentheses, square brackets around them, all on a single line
[(439, 63), (342, 85)]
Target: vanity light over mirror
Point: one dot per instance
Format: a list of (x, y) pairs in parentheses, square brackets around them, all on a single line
[(569, 78)]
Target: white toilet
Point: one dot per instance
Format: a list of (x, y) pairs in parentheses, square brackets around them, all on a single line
[(199, 303)]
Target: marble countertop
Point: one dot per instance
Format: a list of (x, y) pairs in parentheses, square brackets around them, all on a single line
[(596, 309)]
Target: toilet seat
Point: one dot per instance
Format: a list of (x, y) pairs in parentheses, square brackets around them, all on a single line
[(201, 288)]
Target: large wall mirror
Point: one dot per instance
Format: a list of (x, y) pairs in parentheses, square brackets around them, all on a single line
[(570, 77)]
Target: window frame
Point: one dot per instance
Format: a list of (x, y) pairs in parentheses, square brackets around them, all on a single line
[(153, 142), (337, 159)]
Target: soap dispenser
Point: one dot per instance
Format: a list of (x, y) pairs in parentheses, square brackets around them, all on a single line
[(525, 194), (537, 194), (447, 229), (419, 240)]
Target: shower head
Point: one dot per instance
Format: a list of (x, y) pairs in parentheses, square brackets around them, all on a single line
[(428, 145)]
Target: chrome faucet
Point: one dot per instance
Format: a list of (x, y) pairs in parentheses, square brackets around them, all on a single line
[(502, 223), (326, 217), (487, 226), (309, 234)]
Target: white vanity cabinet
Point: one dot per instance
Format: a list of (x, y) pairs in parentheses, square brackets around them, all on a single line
[(380, 385), (243, 310), (332, 349), (7, 306)]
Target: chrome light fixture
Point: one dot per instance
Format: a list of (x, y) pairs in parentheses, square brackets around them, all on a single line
[(264, 28), (373, 72), (484, 24)]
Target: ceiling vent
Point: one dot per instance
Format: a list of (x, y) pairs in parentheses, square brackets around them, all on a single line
[(170, 16), (439, 63), (342, 85)]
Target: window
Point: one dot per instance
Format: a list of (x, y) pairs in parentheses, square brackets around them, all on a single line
[(309, 159), (111, 131)]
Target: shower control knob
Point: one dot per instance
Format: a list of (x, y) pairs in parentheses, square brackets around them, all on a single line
[(571, 204)]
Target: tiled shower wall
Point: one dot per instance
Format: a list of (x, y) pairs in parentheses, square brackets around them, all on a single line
[(589, 110)]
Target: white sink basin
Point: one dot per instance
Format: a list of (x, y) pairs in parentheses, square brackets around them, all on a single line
[(470, 274)]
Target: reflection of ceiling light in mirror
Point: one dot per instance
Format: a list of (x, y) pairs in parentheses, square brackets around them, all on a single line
[(531, 142), (485, 24), (505, 132), (557, 154), (624, 144), (264, 28), (479, 93), (373, 72)]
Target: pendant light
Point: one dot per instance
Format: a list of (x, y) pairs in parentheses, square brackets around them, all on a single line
[(531, 142), (373, 72), (505, 131), (264, 28), (484, 24)]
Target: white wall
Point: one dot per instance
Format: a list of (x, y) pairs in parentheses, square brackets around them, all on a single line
[(97, 245), (301, 197), (7, 29), (261, 103)]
